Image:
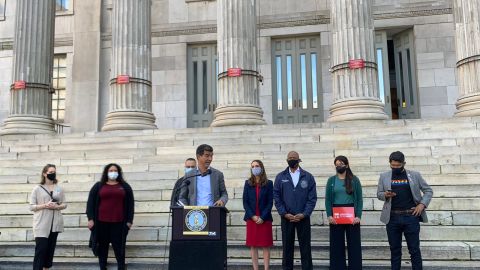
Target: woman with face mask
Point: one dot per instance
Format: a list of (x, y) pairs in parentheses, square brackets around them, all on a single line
[(344, 205), (47, 201), (110, 209), (258, 202)]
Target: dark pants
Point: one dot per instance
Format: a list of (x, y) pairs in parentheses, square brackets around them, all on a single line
[(44, 250), (115, 233), (337, 247), (288, 242), (410, 227)]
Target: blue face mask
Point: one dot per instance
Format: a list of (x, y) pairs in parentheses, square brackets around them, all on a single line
[(113, 175), (187, 170), (256, 171)]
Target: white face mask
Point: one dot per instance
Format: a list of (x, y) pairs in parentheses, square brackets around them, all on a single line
[(113, 175), (187, 170)]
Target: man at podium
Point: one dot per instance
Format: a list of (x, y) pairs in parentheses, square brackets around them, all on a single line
[(204, 186)]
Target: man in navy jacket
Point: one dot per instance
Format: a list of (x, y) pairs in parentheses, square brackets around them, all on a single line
[(295, 197)]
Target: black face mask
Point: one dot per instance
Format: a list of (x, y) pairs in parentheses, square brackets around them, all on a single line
[(293, 163), (52, 176), (341, 169), (397, 170)]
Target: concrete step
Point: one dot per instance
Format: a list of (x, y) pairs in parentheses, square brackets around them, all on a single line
[(443, 251), (24, 263), (161, 204), (237, 233), (165, 187), (235, 218)]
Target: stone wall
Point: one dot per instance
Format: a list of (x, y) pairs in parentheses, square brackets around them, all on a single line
[(435, 52)]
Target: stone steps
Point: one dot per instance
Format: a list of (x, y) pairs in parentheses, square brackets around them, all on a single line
[(154, 192), (445, 151), (237, 233), (442, 251), (442, 184), (236, 204), (25, 263), (160, 219)]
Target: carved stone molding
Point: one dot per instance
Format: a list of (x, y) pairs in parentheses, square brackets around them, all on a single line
[(412, 13), (265, 24)]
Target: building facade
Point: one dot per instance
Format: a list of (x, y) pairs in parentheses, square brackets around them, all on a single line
[(418, 60)]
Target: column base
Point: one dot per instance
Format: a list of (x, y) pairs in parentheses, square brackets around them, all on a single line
[(28, 124), (129, 120), (357, 109), (468, 106), (234, 115)]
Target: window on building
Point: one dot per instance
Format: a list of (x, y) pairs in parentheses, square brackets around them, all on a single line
[(2, 10), (62, 5), (296, 80), (59, 84)]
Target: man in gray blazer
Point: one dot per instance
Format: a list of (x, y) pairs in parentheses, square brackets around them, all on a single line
[(204, 186), (406, 195)]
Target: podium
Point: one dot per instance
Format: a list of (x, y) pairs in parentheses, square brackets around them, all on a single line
[(199, 238)]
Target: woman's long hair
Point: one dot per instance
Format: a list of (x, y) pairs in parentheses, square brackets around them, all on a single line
[(44, 170), (349, 177), (104, 178), (263, 176)]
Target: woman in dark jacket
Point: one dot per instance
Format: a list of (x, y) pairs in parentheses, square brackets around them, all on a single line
[(258, 202), (110, 210), (344, 190)]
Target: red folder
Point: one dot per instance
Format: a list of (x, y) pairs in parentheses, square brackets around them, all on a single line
[(343, 215)]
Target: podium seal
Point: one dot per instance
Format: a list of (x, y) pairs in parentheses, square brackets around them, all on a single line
[(196, 220)]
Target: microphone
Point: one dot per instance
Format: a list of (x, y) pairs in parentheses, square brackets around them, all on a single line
[(186, 183), (207, 172)]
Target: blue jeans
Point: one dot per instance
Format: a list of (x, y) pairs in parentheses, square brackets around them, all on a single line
[(410, 227)]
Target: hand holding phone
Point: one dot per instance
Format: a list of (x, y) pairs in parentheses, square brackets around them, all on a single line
[(390, 194)]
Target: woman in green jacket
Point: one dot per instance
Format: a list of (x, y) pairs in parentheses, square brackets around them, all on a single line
[(344, 190)]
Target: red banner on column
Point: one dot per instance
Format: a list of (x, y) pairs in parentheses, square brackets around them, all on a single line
[(356, 63), (234, 72), (123, 79), (19, 85)]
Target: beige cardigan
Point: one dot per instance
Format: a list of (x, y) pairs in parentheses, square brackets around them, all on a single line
[(43, 218)]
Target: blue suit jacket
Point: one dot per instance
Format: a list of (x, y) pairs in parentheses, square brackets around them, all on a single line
[(265, 201), (295, 200)]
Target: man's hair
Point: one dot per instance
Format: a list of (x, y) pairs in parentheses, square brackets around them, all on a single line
[(204, 148), (190, 159), (397, 156)]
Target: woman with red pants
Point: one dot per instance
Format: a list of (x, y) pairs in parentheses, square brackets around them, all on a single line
[(258, 202), (110, 209)]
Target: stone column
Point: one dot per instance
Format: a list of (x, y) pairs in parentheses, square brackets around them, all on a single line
[(31, 91), (131, 102), (238, 97), (467, 25), (355, 90)]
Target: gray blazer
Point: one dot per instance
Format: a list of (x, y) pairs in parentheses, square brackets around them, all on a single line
[(417, 184), (188, 194)]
